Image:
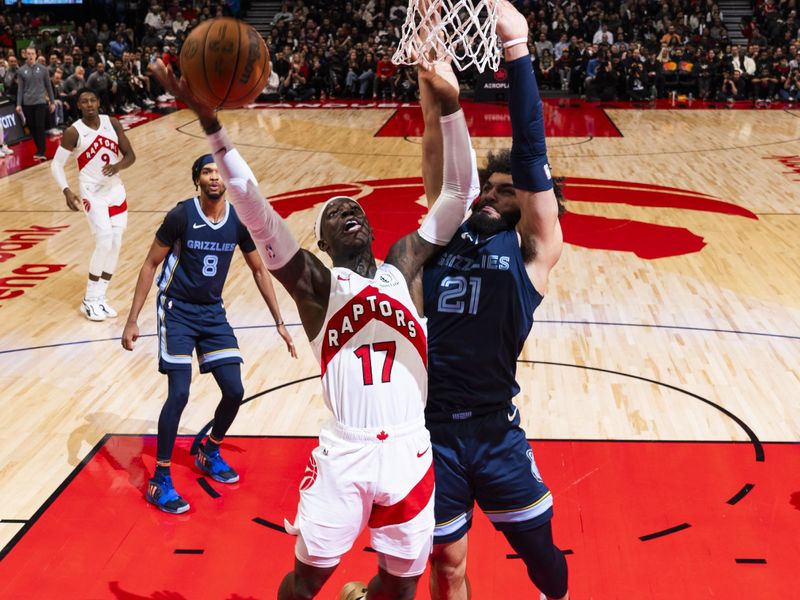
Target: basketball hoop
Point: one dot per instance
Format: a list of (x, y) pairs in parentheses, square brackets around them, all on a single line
[(461, 29)]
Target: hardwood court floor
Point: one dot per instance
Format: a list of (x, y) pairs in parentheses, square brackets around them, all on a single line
[(701, 344)]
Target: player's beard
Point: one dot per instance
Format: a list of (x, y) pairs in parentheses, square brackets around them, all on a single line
[(486, 225)]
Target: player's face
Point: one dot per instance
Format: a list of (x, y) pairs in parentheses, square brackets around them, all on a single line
[(89, 105), (210, 182), (344, 228), (496, 209)]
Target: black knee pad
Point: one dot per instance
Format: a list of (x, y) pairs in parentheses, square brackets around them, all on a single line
[(546, 564)]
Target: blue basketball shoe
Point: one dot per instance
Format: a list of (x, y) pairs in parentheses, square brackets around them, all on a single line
[(161, 493), (213, 465)]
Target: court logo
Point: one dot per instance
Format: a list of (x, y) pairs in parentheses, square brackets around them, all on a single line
[(394, 209), (790, 162), (501, 74), (87, 206)]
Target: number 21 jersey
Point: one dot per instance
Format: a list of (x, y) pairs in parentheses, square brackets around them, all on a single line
[(479, 302)]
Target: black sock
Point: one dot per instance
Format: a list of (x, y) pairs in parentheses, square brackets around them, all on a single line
[(210, 446), (162, 470)]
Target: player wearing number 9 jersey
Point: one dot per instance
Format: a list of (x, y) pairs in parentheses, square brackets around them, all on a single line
[(102, 150), (195, 243)]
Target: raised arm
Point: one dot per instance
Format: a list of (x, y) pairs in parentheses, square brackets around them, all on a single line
[(457, 185), (539, 228), (302, 274)]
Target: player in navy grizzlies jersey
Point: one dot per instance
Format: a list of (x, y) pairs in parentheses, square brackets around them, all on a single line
[(480, 296), (195, 243)]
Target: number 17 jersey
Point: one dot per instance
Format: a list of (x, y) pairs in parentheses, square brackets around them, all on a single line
[(372, 350)]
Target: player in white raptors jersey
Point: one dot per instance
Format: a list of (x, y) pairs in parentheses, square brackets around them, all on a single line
[(372, 467), (97, 141)]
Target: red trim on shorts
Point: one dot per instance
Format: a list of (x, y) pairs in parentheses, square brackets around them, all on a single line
[(408, 508), (113, 211)]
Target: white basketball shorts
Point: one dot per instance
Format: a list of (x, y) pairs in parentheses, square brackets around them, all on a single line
[(376, 478), (105, 206)]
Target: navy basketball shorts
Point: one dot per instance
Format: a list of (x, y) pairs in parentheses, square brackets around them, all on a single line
[(184, 327), (486, 459)]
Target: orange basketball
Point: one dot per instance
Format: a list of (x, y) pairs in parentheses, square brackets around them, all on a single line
[(225, 62)]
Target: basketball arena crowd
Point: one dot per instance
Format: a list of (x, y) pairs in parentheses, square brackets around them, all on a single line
[(636, 50)]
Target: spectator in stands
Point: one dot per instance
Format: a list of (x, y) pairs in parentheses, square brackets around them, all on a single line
[(118, 46), (384, 78), (57, 116), (101, 84), (790, 92), (636, 85), (284, 14), (548, 71), (406, 84), (764, 85), (707, 67), (72, 84), (743, 63), (603, 35), (68, 67), (297, 86), (53, 64), (543, 44), (319, 79)]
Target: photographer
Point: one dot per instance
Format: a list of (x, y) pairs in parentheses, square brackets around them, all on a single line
[(764, 84), (636, 86), (790, 92)]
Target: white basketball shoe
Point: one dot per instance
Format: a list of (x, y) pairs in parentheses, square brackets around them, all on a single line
[(91, 309), (106, 308)]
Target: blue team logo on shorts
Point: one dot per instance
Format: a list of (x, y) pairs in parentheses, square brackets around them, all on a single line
[(534, 468)]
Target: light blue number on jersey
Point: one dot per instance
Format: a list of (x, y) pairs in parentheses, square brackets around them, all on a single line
[(210, 265), (454, 292)]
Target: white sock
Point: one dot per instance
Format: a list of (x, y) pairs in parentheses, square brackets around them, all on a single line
[(102, 286), (92, 290)]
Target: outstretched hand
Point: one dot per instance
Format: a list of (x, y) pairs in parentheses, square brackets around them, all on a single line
[(441, 80), (511, 24), (180, 89)]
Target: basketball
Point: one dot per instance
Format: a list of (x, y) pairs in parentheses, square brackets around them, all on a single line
[(225, 62)]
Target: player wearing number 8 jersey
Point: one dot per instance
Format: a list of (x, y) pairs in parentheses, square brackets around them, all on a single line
[(372, 467), (102, 150), (196, 243)]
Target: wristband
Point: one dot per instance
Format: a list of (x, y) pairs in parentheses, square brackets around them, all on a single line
[(515, 42)]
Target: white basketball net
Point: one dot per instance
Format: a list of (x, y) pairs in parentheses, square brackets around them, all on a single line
[(461, 29)]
